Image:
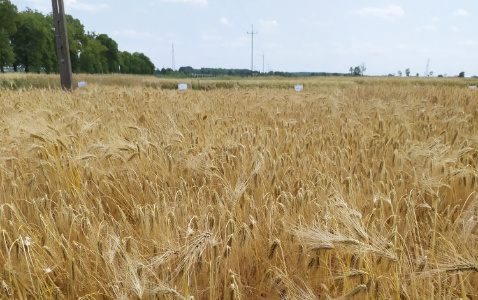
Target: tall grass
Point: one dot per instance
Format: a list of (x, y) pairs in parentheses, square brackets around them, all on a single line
[(342, 191)]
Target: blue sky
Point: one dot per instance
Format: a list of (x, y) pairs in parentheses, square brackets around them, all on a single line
[(300, 35)]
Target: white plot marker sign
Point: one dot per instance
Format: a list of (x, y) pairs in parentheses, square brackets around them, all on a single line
[(82, 84), (298, 87), (182, 86)]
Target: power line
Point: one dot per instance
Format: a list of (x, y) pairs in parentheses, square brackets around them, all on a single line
[(252, 55)]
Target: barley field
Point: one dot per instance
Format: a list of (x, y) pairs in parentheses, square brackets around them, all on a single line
[(126, 189)]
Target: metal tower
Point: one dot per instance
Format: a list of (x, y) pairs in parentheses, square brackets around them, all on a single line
[(173, 62), (252, 55)]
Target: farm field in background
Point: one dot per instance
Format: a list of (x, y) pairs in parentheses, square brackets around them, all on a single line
[(354, 188)]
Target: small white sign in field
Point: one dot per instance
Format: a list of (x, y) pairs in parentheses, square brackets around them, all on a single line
[(298, 87), (182, 86), (472, 87), (81, 83)]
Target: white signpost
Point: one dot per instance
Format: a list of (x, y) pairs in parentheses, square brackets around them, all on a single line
[(298, 88), (81, 83), (182, 86)]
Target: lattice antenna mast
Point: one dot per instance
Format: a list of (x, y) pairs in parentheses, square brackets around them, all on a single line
[(173, 62), (263, 62), (428, 66), (62, 46), (252, 55)]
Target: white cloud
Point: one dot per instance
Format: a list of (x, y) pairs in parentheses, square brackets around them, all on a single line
[(269, 26), (461, 13), (455, 29), (390, 13), (225, 21), (191, 2), (77, 5)]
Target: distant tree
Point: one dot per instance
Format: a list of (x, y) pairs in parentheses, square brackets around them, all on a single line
[(92, 59), (418, 75), (126, 62), (430, 74), (77, 40), (357, 71), (462, 74), (351, 70), (142, 64), (8, 17), (7, 57), (33, 43), (407, 72), (111, 53), (167, 71), (399, 73), (362, 69), (440, 75)]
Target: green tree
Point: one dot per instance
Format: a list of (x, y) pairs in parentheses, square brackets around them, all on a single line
[(8, 27), (8, 16), (92, 59), (77, 39), (7, 57), (145, 64), (33, 43), (126, 62), (111, 53), (407, 72), (357, 71), (462, 74), (399, 73), (136, 63), (362, 69)]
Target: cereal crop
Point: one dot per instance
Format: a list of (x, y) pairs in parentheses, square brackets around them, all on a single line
[(349, 189)]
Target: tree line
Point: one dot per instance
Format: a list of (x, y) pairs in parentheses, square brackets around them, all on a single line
[(27, 41), (218, 72)]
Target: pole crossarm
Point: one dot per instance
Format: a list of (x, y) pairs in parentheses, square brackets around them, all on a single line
[(62, 46)]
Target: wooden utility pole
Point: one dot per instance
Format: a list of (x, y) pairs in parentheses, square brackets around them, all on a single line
[(62, 46)]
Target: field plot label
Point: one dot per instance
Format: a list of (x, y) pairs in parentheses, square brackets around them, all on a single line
[(182, 86), (82, 83), (298, 87)]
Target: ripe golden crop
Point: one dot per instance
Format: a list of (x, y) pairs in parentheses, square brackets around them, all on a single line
[(351, 189)]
